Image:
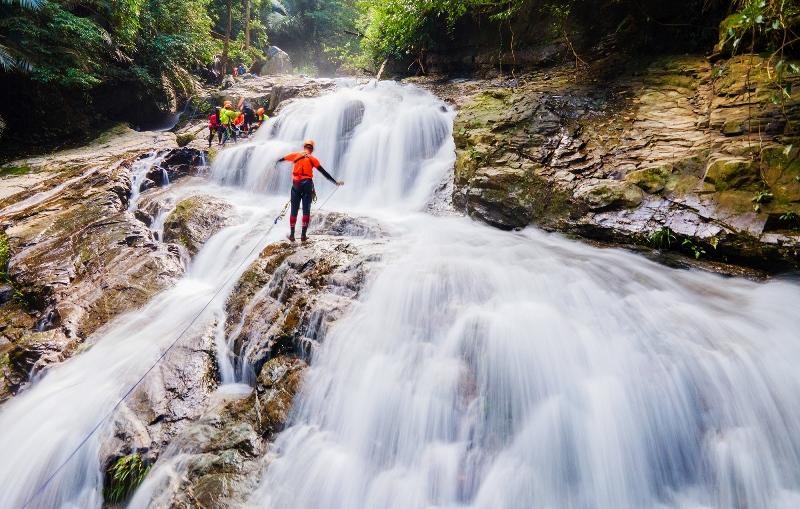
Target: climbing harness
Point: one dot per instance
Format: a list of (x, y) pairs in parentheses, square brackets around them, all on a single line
[(113, 409)]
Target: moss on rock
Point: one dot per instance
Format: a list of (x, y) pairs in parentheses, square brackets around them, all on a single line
[(780, 169), (184, 139), (732, 173), (610, 194), (195, 220), (653, 179)]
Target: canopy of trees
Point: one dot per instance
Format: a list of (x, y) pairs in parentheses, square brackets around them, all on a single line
[(404, 28), (94, 60)]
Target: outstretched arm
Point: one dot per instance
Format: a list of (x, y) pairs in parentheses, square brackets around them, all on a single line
[(328, 176)]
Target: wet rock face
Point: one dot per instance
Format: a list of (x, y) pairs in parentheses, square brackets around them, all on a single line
[(681, 146), (195, 220), (286, 300), (277, 62), (224, 451), (78, 258), (280, 309)]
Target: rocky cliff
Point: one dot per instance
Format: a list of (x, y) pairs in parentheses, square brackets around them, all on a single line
[(74, 257), (680, 155)]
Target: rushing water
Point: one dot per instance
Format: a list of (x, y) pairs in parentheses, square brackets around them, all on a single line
[(489, 370), (481, 368)]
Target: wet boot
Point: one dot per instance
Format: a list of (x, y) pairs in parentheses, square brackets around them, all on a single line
[(303, 234), (291, 234)]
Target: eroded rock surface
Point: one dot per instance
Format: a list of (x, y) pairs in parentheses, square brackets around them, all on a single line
[(195, 220), (76, 257), (280, 309), (682, 146)]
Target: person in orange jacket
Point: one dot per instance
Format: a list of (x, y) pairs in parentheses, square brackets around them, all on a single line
[(303, 185)]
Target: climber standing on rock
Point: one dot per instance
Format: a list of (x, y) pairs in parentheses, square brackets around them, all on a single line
[(303, 185)]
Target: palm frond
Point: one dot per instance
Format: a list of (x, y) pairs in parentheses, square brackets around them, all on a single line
[(11, 62), (25, 4), (6, 60)]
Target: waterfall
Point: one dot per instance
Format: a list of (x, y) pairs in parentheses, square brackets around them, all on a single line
[(139, 171), (481, 368), (390, 145), (487, 369)]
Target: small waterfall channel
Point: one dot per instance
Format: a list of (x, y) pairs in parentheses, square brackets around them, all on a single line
[(481, 369)]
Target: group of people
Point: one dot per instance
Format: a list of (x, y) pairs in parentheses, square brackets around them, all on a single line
[(225, 121), (239, 70), (228, 123)]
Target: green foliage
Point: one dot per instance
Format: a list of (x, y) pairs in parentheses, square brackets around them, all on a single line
[(789, 217), (124, 476), (397, 28), (662, 237), (769, 25), (4, 258), (696, 250), (316, 33), (80, 45), (761, 197), (14, 170), (10, 58)]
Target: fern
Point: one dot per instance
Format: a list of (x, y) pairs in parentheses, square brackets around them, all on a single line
[(124, 476)]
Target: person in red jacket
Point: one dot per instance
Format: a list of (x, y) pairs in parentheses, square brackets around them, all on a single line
[(303, 185), (214, 126)]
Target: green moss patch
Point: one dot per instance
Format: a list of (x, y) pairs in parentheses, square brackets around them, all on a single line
[(5, 256), (11, 171)]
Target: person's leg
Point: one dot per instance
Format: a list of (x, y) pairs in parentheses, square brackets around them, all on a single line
[(210, 136), (295, 201), (308, 191)]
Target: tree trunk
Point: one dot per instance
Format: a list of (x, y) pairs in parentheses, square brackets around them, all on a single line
[(246, 24), (227, 41)]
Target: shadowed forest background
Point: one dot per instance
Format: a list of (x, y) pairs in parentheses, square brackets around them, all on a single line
[(71, 68)]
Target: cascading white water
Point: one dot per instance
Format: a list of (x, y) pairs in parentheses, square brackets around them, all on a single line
[(482, 368), (139, 172), (391, 145), (495, 370), (41, 426)]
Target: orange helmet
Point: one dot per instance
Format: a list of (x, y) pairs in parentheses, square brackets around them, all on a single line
[(260, 111), (308, 143)]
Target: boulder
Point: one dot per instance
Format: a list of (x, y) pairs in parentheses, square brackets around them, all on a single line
[(732, 173), (277, 62), (652, 179), (610, 194), (195, 220), (672, 142), (780, 169), (315, 281)]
